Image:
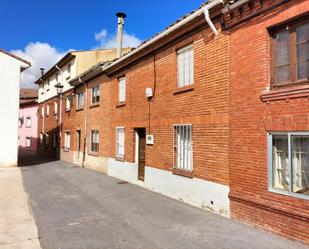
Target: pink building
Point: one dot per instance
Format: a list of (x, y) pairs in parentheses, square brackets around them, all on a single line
[(28, 121)]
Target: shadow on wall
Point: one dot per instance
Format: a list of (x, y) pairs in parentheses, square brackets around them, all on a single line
[(28, 150)]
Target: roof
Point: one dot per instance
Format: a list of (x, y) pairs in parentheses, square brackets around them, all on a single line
[(15, 56), (28, 93), (145, 44)]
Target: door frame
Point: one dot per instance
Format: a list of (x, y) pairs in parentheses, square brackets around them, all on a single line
[(137, 141)]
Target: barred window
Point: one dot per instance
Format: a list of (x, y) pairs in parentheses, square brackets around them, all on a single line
[(185, 62), (94, 141), (289, 169), (183, 147), (95, 94), (120, 137)]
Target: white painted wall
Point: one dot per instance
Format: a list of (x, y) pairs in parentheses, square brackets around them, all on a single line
[(48, 90), (204, 194), (10, 69)]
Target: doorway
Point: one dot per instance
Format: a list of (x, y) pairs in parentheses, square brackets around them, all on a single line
[(141, 148), (78, 141)]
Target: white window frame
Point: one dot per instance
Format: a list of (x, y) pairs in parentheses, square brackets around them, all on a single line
[(97, 94), (120, 143), (28, 125), (122, 90), (185, 66), (78, 96), (67, 140), (55, 107), (183, 149), (91, 140), (26, 142), (270, 163)]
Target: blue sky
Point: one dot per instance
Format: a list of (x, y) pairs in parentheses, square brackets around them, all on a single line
[(42, 31)]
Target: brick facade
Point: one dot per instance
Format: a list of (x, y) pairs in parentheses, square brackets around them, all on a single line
[(256, 110)]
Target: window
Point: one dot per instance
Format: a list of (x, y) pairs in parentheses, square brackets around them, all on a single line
[(80, 100), (68, 103), (67, 140), (41, 138), (46, 140), (95, 94), (120, 142), (94, 141), (28, 122), (47, 85), (289, 163), (55, 107), (20, 122), (290, 52), (42, 111), (28, 142), (122, 90), (183, 147), (47, 110), (185, 61)]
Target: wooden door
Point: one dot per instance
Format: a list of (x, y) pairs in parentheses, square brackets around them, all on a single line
[(141, 153)]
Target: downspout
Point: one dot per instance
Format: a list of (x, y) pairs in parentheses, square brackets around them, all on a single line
[(85, 119), (206, 13)]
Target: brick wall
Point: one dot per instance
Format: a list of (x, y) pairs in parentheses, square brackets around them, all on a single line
[(251, 119)]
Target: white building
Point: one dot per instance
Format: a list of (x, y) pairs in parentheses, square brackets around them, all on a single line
[(10, 68)]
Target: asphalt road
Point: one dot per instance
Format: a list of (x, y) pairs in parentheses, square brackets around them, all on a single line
[(77, 208)]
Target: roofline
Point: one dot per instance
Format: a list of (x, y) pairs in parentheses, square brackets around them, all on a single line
[(15, 56), (170, 29), (53, 69)]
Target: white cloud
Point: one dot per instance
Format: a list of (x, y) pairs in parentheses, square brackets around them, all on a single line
[(40, 55), (107, 40)]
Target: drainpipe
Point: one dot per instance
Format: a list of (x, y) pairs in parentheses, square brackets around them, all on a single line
[(206, 13), (43, 116), (85, 119), (60, 105), (121, 16)]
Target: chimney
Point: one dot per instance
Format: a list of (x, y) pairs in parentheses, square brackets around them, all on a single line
[(121, 16)]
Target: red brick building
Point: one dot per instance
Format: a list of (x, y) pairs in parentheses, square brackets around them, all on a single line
[(215, 116), (269, 121)]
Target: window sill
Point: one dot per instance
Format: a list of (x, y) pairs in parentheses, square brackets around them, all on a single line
[(285, 93), (66, 150), (120, 105), (183, 89), (67, 110), (181, 172), (94, 105), (91, 153), (79, 109), (120, 159)]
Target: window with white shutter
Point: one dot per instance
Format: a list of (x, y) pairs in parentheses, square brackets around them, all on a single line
[(120, 142), (55, 107), (122, 90), (28, 122), (28, 142), (94, 139), (183, 147), (67, 140), (185, 65)]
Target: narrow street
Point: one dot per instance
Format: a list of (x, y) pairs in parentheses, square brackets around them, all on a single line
[(77, 208)]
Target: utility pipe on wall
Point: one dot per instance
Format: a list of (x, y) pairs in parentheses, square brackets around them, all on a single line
[(206, 13), (121, 16), (60, 107)]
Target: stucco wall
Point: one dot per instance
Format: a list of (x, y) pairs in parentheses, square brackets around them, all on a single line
[(9, 105)]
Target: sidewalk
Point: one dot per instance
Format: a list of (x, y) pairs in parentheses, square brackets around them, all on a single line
[(17, 226)]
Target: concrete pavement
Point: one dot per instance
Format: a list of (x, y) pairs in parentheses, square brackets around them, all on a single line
[(17, 226), (78, 208)]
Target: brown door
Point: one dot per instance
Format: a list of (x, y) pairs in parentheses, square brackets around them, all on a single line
[(141, 153)]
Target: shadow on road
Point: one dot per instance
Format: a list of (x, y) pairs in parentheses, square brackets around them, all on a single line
[(32, 160)]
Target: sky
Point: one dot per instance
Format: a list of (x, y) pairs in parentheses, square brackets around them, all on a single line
[(42, 31)]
